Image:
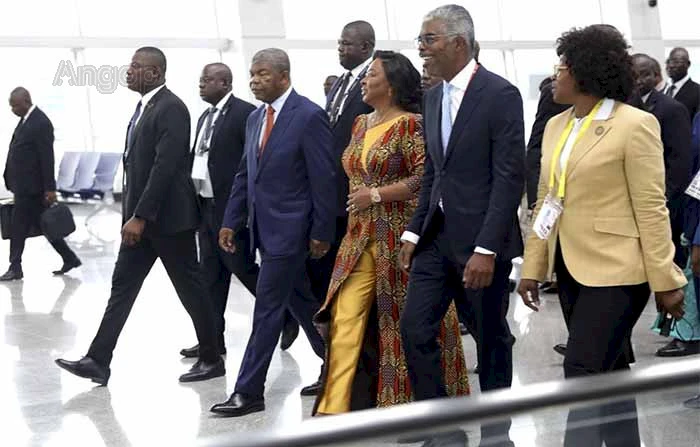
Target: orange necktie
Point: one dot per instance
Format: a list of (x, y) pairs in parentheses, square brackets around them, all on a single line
[(269, 122)]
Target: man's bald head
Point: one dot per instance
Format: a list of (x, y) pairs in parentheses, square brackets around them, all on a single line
[(215, 82), (356, 44), (20, 101), (677, 64), (363, 30)]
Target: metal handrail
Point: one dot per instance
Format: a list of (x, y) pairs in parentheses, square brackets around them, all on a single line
[(443, 414)]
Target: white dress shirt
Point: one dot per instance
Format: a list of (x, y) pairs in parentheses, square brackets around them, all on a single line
[(603, 113), (459, 85), (204, 186), (678, 85), (277, 105)]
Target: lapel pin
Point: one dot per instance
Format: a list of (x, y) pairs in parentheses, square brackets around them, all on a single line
[(599, 130)]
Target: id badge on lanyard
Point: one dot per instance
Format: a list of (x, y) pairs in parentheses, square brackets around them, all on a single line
[(553, 205)]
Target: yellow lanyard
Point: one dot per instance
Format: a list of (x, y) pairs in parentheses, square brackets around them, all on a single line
[(556, 156)]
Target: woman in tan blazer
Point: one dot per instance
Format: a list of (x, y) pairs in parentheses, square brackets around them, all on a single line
[(601, 222)]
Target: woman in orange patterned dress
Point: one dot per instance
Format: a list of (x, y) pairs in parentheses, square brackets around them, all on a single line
[(365, 364)]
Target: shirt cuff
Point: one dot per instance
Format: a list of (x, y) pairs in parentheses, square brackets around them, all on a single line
[(483, 251), (408, 236)]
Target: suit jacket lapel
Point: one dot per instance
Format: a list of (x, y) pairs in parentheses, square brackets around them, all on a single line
[(252, 143), (434, 102), (200, 123), (220, 119), (471, 100), (588, 141), (278, 130), (144, 113)]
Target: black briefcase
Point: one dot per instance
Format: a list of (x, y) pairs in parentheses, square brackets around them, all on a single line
[(57, 221), (6, 222)]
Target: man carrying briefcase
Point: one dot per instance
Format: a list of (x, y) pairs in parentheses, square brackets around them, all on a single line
[(29, 175)]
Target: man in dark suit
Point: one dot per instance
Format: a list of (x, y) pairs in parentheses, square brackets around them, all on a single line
[(29, 175), (285, 192), (465, 230), (160, 217), (676, 136), (216, 154), (343, 104), (682, 88)]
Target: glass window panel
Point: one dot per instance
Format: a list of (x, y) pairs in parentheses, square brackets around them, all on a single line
[(132, 18), (561, 15), (679, 19), (310, 69), (406, 17), (22, 18), (300, 15), (532, 67)]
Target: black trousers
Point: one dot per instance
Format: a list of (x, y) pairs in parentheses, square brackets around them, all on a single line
[(600, 322), (218, 265), (26, 213), (435, 281), (178, 252), (321, 270), (676, 215)]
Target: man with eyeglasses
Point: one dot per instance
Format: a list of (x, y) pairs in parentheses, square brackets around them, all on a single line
[(160, 216), (680, 86), (465, 230), (216, 154)]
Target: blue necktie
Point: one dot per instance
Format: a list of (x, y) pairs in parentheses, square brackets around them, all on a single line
[(132, 124), (446, 124)]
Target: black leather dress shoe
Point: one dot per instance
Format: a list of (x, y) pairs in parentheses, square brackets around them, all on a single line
[(12, 275), (204, 371), (87, 368), (290, 332), (678, 348), (311, 390), (68, 266), (463, 329), (560, 349), (193, 352), (239, 405)]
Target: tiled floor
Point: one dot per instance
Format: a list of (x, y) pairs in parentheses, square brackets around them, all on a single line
[(45, 317)]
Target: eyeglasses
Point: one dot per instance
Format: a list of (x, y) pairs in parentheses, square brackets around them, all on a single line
[(559, 68), (430, 39)]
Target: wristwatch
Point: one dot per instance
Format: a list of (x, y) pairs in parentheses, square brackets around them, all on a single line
[(374, 195)]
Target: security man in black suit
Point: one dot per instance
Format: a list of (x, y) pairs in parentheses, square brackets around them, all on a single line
[(160, 215), (676, 136), (343, 104), (682, 88), (216, 154), (29, 175)]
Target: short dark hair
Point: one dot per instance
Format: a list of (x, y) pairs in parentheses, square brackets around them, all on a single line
[(403, 78), (364, 31), (157, 55), (598, 59)]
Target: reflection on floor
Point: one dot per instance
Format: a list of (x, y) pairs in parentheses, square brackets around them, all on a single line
[(44, 317)]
